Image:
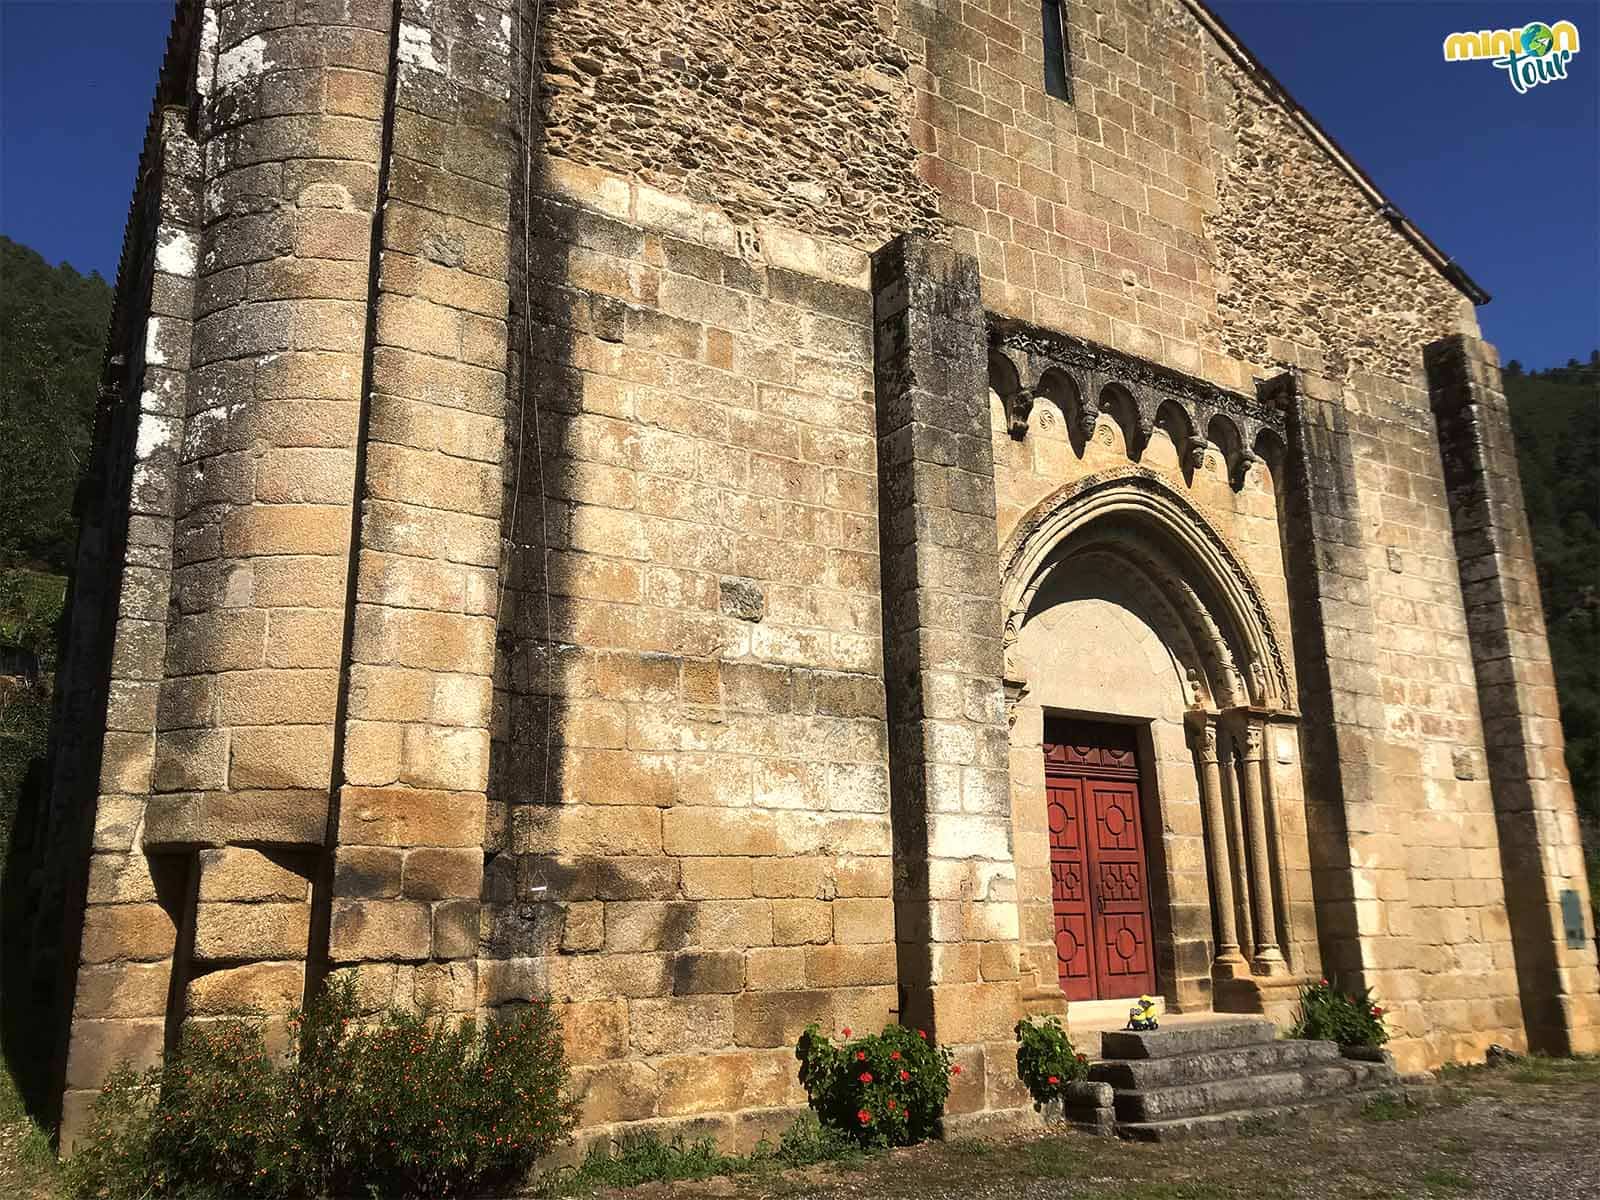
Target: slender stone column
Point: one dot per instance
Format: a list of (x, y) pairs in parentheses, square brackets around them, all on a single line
[(1268, 958), (1233, 823), (1203, 737)]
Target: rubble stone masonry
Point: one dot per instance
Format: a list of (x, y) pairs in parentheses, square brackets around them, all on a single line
[(556, 520)]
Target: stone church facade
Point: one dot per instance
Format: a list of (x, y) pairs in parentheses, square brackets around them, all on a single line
[(742, 514)]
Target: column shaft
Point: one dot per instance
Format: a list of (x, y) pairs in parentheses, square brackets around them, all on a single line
[(1233, 822), (1204, 737), (1268, 958)]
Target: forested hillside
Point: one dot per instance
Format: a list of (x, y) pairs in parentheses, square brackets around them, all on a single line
[(1555, 416), (52, 333), (52, 329)]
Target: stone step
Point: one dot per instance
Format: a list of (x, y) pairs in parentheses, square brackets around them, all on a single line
[(1186, 1039), (1319, 1078), (1264, 1058), (1233, 1121)]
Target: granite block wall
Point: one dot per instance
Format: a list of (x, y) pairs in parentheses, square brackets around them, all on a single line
[(543, 536)]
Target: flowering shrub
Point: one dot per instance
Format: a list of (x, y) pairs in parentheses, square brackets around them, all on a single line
[(885, 1089), (1349, 1018), (395, 1105), (1046, 1061)]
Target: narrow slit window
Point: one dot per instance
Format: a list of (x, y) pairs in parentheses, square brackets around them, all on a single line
[(1057, 76)]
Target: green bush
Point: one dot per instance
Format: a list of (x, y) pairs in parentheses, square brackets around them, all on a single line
[(1349, 1018), (397, 1105), (884, 1089), (1046, 1061)]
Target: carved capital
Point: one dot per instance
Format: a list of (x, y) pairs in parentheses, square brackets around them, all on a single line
[(1252, 741), (1247, 726), (1203, 737)]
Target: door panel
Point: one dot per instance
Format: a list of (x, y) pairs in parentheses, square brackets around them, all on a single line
[(1122, 900), (1069, 879), (1099, 882)]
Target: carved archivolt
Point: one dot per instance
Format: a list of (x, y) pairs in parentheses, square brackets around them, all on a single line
[(1135, 515)]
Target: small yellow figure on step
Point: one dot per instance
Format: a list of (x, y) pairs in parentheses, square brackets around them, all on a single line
[(1143, 1015)]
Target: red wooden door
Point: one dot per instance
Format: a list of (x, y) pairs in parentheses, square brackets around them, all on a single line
[(1099, 880)]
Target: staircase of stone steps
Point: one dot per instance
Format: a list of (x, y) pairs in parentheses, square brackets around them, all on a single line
[(1215, 1077)]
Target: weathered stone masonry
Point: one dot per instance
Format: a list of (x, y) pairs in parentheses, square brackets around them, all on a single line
[(1539, 845), (955, 885), (612, 502)]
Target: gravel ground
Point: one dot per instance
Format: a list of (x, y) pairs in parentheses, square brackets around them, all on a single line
[(1522, 1132)]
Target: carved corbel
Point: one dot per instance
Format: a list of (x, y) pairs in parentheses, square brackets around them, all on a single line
[(1019, 406), (1015, 690), (1088, 414), (1241, 469), (1278, 392), (1194, 452), (1144, 410)]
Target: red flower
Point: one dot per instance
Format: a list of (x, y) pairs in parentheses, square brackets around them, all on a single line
[(1324, 983), (1376, 1011), (866, 1077), (891, 1106), (923, 1034), (1083, 1058), (895, 1056), (904, 1075), (864, 1117), (1052, 1079), (861, 1056), (847, 1031), (956, 1070)]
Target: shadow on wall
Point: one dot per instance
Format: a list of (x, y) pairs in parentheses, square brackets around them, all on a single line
[(564, 445), (48, 847), (26, 969)]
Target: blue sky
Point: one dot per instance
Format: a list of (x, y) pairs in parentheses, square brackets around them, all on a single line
[(1507, 184)]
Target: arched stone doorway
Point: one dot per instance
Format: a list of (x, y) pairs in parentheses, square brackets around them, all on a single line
[(1144, 675)]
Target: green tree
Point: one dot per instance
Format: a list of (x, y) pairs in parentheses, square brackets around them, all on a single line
[(1555, 419), (53, 325)]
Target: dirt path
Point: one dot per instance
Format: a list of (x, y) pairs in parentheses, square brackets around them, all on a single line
[(1527, 1132)]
